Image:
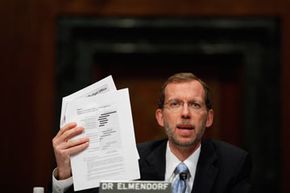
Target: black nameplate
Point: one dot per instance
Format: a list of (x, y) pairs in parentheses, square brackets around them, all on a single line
[(135, 187)]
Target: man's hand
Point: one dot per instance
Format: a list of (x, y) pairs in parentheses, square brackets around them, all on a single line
[(64, 146)]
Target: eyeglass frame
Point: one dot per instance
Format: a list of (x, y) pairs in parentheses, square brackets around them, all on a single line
[(176, 105)]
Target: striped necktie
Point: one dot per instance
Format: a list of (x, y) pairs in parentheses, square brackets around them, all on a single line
[(180, 183)]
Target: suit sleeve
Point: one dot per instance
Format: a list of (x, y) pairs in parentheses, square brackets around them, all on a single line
[(241, 183), (92, 190)]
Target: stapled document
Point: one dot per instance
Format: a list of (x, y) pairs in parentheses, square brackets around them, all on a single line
[(107, 120)]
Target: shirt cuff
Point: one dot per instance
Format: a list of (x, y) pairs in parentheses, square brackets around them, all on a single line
[(60, 186)]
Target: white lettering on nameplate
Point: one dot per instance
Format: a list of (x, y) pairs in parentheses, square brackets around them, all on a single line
[(136, 187)]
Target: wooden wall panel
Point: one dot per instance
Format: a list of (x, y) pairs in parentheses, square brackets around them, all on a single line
[(173, 7), (27, 100), (27, 73), (285, 102)]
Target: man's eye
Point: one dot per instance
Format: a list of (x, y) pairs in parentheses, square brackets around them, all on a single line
[(195, 105), (174, 104)]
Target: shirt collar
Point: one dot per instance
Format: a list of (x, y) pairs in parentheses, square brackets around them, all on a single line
[(172, 161)]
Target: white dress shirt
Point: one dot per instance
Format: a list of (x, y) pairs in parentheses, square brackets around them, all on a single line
[(172, 161), (59, 186)]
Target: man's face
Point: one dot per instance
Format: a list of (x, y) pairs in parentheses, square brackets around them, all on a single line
[(184, 115)]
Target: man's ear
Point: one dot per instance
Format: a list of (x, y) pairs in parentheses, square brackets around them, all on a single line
[(159, 117), (209, 119)]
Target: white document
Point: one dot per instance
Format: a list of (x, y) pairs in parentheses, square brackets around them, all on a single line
[(103, 86), (112, 153)]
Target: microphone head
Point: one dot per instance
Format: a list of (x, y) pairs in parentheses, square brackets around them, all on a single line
[(183, 176)]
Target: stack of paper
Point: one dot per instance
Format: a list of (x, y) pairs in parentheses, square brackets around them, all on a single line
[(105, 113)]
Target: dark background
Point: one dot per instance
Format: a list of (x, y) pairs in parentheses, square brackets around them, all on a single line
[(243, 55)]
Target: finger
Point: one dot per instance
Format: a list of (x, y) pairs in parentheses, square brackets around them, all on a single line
[(79, 148), (66, 149), (68, 134), (74, 142), (65, 128)]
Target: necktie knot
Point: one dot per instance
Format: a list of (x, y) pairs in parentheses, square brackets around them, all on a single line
[(181, 168), (180, 183)]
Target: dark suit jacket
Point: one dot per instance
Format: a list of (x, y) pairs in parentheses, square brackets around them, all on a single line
[(221, 168)]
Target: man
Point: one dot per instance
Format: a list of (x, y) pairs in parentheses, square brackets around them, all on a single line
[(185, 111)]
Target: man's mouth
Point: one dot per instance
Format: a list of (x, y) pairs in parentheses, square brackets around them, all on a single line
[(185, 126)]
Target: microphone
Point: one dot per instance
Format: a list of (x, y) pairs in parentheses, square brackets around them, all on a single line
[(183, 176)]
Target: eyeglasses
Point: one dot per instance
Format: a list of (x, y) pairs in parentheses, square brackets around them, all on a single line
[(176, 105)]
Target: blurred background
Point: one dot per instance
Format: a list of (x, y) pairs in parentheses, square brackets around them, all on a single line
[(52, 48)]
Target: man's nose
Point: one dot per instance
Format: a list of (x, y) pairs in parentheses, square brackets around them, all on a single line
[(185, 111)]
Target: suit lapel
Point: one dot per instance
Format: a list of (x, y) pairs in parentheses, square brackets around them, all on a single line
[(206, 170), (154, 167)]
